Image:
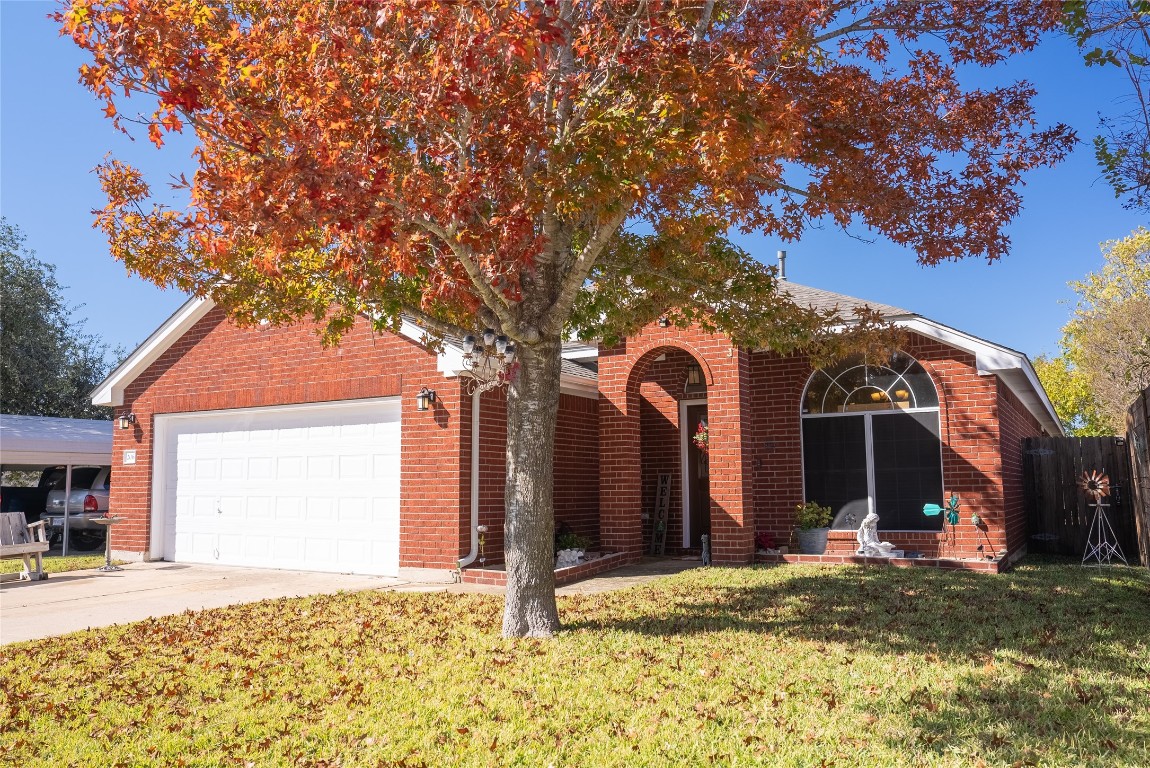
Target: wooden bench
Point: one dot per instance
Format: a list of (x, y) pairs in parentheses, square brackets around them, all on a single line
[(19, 539)]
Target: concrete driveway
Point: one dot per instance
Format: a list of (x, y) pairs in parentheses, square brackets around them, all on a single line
[(68, 602)]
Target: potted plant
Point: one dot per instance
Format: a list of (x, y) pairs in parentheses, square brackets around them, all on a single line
[(813, 521), (570, 548)]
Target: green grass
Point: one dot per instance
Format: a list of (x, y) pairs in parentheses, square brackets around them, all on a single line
[(788, 665), (56, 564)]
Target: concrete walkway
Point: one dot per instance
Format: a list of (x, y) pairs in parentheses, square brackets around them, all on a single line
[(69, 602)]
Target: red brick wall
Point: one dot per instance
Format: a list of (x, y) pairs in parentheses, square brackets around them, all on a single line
[(777, 463), (576, 477), (577, 465), (217, 365), (1016, 423)]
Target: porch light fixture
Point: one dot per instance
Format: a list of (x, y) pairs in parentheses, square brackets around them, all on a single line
[(663, 322), (488, 359), (127, 420), (694, 383), (424, 398)]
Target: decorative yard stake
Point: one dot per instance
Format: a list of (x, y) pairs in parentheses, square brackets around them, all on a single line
[(482, 529), (951, 518), (1101, 543)]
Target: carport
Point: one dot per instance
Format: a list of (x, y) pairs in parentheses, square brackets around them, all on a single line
[(33, 443)]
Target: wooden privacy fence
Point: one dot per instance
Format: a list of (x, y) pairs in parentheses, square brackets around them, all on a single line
[(1138, 444), (1058, 516)]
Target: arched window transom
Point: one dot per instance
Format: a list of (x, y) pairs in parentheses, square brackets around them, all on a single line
[(854, 386)]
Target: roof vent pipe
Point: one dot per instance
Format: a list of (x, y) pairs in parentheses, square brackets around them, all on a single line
[(782, 265)]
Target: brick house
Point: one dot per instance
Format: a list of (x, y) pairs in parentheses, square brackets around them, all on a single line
[(255, 446)]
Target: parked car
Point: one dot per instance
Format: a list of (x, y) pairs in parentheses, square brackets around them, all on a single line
[(30, 499), (88, 501)]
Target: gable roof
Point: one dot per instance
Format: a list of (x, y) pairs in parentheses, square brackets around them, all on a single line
[(577, 379), (1012, 366)]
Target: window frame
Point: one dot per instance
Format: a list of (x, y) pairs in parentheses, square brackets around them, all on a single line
[(868, 433)]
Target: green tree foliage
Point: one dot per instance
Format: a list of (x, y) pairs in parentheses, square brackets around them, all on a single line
[(1105, 360), (48, 364), (1117, 33), (1071, 396)]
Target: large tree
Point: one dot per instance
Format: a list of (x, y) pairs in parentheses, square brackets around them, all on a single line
[(48, 362), (1105, 358), (1071, 395), (1117, 33), (546, 168)]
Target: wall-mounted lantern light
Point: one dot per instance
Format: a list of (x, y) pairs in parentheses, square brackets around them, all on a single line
[(127, 420), (663, 322), (694, 383), (424, 398)]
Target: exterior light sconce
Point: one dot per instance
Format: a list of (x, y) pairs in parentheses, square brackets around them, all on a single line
[(127, 420), (424, 398), (694, 383), (663, 322)]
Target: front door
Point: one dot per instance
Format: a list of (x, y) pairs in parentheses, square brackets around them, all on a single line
[(697, 486)]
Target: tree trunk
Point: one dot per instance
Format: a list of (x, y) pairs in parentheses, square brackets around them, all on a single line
[(529, 524)]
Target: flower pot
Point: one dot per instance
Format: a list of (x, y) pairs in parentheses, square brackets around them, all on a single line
[(813, 541)]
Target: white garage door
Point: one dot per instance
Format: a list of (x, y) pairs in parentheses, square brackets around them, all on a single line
[(311, 488)]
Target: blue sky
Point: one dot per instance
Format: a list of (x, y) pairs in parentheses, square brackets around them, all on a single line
[(52, 133)]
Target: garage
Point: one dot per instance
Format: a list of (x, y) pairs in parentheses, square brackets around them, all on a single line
[(313, 487)]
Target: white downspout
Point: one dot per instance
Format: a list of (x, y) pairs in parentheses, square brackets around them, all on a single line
[(474, 553)]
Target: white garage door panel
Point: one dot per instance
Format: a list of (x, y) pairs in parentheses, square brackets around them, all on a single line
[(313, 488)]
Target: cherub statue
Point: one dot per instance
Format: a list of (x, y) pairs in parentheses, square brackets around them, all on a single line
[(867, 536)]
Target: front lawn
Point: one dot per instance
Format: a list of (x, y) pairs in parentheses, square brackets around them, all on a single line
[(784, 665), (58, 564)]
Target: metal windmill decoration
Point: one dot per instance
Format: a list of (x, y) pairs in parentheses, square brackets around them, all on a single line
[(1101, 543), (951, 517)]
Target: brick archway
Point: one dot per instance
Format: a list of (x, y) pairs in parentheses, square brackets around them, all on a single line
[(629, 376)]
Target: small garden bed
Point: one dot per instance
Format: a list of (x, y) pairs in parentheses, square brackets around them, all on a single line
[(796, 665)]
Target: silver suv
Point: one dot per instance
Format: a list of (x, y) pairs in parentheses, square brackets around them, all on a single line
[(88, 501)]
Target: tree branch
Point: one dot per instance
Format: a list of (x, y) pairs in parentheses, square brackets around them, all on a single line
[(508, 318), (579, 269)]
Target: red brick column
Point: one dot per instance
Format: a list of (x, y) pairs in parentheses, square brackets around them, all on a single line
[(732, 493), (620, 492)]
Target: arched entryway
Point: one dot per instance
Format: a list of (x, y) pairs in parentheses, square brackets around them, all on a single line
[(654, 391), (671, 392)]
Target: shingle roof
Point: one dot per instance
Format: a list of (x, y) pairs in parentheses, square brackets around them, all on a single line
[(572, 368), (804, 295)]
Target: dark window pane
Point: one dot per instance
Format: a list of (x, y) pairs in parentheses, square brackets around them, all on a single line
[(834, 465), (82, 477), (907, 470)]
